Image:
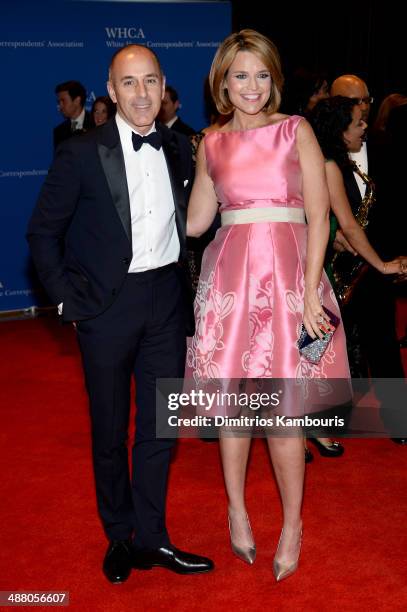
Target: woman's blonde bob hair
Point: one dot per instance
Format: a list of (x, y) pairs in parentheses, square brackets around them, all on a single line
[(266, 51)]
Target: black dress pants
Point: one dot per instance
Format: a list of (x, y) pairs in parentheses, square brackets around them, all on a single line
[(142, 334)]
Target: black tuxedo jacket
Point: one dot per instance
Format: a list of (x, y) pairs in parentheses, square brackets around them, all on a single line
[(80, 230), (182, 128), (63, 130)]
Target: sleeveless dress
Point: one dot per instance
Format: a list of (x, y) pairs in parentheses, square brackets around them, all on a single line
[(249, 302)]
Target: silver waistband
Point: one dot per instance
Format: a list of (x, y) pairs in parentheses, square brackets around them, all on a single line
[(262, 215)]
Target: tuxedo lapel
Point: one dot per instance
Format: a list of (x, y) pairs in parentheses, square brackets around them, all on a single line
[(172, 156), (111, 157)]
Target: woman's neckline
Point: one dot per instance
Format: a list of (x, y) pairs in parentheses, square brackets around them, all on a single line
[(260, 127)]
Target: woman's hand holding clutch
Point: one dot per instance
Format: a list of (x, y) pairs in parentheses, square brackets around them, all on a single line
[(315, 319)]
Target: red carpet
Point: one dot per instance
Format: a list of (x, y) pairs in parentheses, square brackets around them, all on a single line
[(355, 508)]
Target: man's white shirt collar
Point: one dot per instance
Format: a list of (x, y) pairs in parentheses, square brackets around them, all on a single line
[(79, 121), (126, 131), (171, 122)]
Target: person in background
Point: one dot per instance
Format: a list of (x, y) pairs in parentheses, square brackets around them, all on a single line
[(381, 349), (71, 97), (103, 109), (351, 86), (339, 128), (392, 166), (262, 274), (303, 90), (168, 112), (386, 143), (391, 101)]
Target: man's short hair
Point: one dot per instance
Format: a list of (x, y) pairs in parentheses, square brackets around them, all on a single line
[(172, 93), (74, 88)]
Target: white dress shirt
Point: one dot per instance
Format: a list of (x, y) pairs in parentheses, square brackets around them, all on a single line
[(360, 158), (79, 120), (154, 232), (171, 122)]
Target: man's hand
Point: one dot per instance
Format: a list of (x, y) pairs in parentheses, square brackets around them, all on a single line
[(340, 244)]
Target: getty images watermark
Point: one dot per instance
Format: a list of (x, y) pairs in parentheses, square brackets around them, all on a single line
[(206, 401), (259, 407), (210, 401), (371, 408)]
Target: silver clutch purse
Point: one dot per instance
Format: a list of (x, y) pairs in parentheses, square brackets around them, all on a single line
[(314, 348)]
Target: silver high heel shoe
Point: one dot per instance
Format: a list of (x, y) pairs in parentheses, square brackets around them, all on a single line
[(248, 555), (282, 571)]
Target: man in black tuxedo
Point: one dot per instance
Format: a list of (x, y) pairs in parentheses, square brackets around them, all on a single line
[(168, 112), (108, 240), (71, 97)]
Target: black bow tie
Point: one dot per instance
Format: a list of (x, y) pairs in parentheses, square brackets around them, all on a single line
[(153, 139)]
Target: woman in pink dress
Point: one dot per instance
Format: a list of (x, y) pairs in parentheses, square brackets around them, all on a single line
[(262, 275)]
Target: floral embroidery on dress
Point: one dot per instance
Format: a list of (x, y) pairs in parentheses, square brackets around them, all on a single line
[(257, 360), (211, 307)]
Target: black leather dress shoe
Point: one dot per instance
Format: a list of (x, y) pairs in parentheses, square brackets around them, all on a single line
[(173, 559), (401, 441), (117, 563), (334, 449)]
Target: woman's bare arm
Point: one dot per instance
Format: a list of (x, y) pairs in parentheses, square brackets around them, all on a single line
[(203, 204)]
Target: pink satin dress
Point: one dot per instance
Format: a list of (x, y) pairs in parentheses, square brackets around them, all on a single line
[(249, 303)]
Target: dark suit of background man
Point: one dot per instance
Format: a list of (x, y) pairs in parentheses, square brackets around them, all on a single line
[(168, 112), (106, 236), (71, 97)]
